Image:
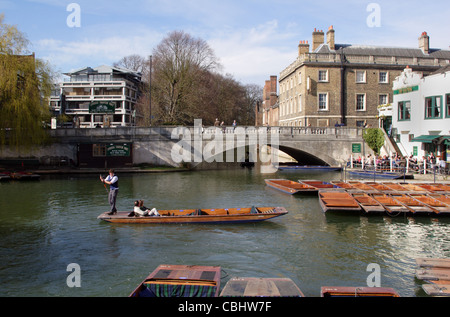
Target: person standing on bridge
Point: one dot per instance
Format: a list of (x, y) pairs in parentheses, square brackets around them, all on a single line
[(113, 181)]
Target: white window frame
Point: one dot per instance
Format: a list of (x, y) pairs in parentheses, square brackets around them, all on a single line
[(363, 80), (326, 76), (387, 77), (356, 102), (326, 101), (379, 99)]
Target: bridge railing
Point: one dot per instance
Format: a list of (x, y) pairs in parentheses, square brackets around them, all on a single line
[(130, 132)]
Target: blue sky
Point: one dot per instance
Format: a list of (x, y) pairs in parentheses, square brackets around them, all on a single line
[(253, 39)]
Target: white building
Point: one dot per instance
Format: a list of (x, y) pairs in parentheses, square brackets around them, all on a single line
[(98, 97), (421, 113)]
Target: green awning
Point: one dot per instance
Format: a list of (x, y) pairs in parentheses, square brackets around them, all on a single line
[(425, 138)]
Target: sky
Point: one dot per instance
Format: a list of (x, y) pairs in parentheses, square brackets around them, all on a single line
[(252, 39)]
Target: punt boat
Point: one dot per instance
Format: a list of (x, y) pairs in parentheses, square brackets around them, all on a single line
[(344, 291), (415, 206), (290, 187), (320, 184), (180, 281), (442, 198), (396, 187), (381, 187), (332, 201), (391, 205), (348, 187), (414, 188), (260, 287), (434, 188), (211, 216), (436, 205), (363, 187), (379, 174), (368, 203)]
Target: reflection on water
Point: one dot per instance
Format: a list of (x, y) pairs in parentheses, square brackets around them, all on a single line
[(46, 225)]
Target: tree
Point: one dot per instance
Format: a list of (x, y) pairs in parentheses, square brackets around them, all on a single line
[(179, 60), (374, 138), (25, 85)]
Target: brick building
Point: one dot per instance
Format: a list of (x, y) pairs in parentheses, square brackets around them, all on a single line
[(344, 83), (270, 114)]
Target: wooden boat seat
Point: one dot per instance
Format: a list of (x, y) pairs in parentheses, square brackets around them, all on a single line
[(339, 202)]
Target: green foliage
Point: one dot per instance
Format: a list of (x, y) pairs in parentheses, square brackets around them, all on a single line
[(25, 85), (374, 138)]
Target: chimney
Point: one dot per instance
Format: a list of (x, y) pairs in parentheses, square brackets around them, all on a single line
[(318, 38), (424, 42), (330, 38), (303, 48)]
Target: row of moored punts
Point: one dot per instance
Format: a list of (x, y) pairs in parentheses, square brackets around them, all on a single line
[(373, 197), (436, 274), (18, 176), (204, 281)]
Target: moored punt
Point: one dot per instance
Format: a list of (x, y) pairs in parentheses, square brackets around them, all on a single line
[(414, 188), (433, 188), (348, 187), (309, 168), (4, 177), (260, 287), (396, 187), (379, 174), (442, 198), (344, 291), (414, 206), (381, 187), (320, 184), (363, 187), (436, 205), (433, 263), (227, 215), (180, 281), (290, 187), (368, 203), (434, 275), (391, 205), (332, 201), (437, 289)]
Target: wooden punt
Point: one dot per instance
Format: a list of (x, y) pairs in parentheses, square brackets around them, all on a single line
[(211, 216), (180, 281), (368, 203), (363, 187), (396, 187), (344, 291), (260, 287), (414, 206), (332, 201), (414, 188), (437, 289), (433, 188), (434, 204), (320, 184), (391, 205), (442, 198), (348, 187), (381, 187), (290, 187), (433, 263), (434, 275)]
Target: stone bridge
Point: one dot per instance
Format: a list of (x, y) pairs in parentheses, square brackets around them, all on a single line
[(202, 147)]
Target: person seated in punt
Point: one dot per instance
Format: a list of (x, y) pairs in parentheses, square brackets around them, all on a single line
[(141, 211)]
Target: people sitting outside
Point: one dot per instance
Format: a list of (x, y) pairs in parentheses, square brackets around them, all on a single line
[(141, 211)]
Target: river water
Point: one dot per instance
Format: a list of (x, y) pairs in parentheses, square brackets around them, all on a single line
[(48, 224)]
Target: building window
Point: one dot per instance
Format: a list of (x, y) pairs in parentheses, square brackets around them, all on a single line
[(299, 78), (433, 107), (447, 105), (383, 99), (360, 76), (323, 76), (323, 101), (404, 111), (383, 78), (98, 150), (360, 102)]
